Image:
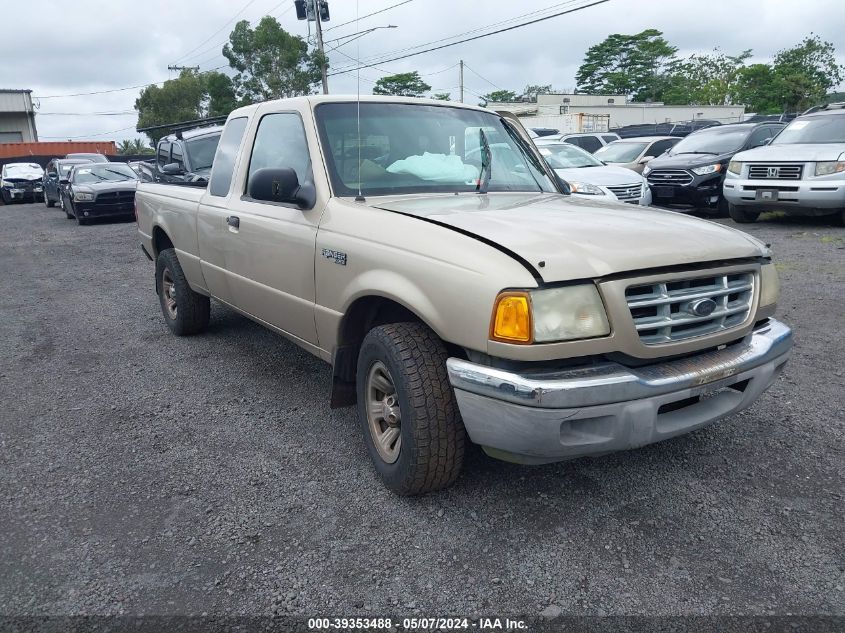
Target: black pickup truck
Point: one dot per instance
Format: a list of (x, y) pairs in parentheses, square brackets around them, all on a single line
[(183, 157)]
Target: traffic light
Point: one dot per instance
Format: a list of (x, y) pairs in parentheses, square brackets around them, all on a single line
[(305, 9), (301, 11), (324, 10)]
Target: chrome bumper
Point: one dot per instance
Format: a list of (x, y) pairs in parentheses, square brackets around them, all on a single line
[(551, 415)]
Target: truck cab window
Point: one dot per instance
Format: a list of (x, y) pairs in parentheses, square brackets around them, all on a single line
[(163, 153), (176, 155), (224, 160), (280, 142)]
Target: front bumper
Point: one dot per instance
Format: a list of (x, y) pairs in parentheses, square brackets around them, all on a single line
[(91, 210), (554, 415), (701, 192), (785, 194), (24, 193)]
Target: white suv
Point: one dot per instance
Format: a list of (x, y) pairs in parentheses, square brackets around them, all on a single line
[(801, 172)]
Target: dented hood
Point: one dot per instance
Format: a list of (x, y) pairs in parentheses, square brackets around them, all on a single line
[(577, 238)]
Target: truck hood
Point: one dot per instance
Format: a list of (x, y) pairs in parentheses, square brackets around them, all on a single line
[(601, 175), (801, 152), (578, 238)]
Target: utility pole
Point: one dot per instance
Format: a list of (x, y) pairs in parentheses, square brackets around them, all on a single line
[(318, 22), (462, 81), (194, 68)]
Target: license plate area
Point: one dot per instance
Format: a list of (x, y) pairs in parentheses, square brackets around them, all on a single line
[(663, 192), (767, 195)]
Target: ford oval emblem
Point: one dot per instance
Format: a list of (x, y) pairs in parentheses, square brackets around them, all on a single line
[(702, 307)]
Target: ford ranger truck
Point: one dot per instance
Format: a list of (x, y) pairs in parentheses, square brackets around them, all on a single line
[(427, 252)]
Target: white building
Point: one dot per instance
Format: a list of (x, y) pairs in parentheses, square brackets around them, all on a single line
[(17, 117), (552, 110)]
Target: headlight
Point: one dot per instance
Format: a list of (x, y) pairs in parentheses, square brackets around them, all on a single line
[(707, 169), (646, 170), (769, 285), (83, 197), (829, 167), (553, 314), (735, 167), (584, 188)]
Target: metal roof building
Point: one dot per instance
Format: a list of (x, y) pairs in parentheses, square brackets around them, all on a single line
[(17, 117)]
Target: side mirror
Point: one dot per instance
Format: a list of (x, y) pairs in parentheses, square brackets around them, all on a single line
[(645, 159), (281, 185), (172, 169)]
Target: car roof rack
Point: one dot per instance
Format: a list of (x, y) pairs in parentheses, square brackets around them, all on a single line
[(178, 128)]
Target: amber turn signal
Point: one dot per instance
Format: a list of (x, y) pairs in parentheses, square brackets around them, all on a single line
[(511, 321)]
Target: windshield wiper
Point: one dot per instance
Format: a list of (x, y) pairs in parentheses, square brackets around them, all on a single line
[(486, 164), (708, 153)]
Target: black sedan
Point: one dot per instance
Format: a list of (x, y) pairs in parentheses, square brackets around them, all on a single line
[(99, 190)]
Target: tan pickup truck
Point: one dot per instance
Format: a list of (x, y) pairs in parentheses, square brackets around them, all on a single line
[(427, 251)]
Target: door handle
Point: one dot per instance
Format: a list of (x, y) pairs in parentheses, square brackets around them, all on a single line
[(233, 221)]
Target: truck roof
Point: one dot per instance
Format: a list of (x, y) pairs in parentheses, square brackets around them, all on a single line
[(313, 100)]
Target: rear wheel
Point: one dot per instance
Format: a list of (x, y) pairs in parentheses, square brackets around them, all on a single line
[(186, 312), (407, 409), (742, 215), (47, 201)]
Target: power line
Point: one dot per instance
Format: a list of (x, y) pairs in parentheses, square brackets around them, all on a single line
[(381, 58), (123, 129), (393, 6), (123, 113), (102, 92), (208, 39), (480, 77)]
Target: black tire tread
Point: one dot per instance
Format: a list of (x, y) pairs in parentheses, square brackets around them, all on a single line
[(438, 430), (194, 309), (742, 216)]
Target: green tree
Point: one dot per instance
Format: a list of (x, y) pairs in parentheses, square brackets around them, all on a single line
[(270, 62), (401, 84), (632, 65), (134, 146), (706, 79), (190, 96), (757, 89), (498, 96), (441, 96), (806, 73), (530, 92)]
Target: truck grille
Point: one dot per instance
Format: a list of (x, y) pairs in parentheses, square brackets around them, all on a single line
[(669, 177), (782, 171), (627, 192), (664, 312)]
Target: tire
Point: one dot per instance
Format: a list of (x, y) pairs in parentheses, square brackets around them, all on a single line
[(722, 208), (5, 198), (741, 215), (47, 201), (190, 311), (428, 451)]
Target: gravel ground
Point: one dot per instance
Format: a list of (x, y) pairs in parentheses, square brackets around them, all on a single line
[(145, 474)]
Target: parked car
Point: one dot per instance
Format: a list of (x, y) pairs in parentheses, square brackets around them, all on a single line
[(21, 181), (691, 173), (677, 128), (588, 176), (589, 141), (93, 157), (56, 171), (99, 190), (802, 171), (184, 157), (635, 153), (462, 303)]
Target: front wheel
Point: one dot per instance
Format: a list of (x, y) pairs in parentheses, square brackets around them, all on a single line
[(5, 197), (47, 201), (186, 312), (741, 215), (411, 423)]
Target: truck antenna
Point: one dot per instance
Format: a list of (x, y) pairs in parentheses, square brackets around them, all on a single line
[(360, 197)]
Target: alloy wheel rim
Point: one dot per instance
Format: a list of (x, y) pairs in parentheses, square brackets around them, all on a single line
[(168, 290), (383, 414)]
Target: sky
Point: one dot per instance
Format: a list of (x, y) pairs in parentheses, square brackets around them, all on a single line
[(92, 46)]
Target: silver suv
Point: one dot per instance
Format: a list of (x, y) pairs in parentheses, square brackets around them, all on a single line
[(801, 172)]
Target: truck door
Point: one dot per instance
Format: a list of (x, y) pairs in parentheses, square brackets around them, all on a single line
[(213, 212), (270, 252)]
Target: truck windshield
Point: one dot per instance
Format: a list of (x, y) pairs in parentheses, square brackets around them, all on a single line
[(415, 148), (201, 151), (814, 129)]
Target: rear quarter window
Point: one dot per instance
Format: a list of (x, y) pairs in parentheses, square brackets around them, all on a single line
[(223, 168)]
